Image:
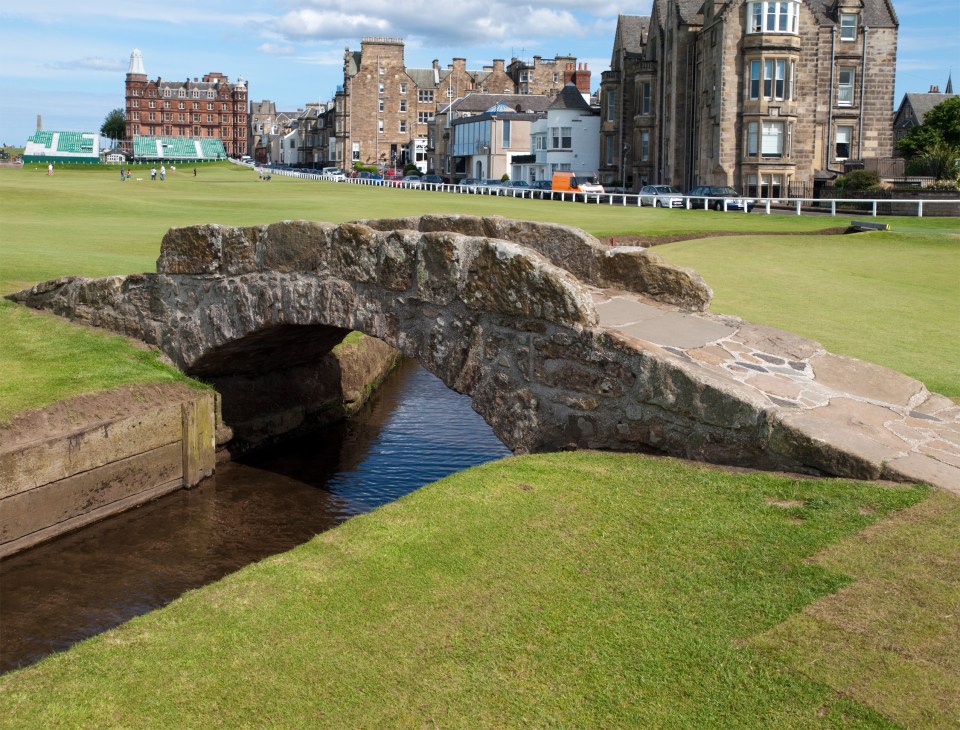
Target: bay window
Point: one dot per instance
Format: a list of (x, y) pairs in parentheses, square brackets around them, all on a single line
[(771, 141), (772, 17)]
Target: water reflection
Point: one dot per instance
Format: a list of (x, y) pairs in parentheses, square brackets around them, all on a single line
[(414, 432)]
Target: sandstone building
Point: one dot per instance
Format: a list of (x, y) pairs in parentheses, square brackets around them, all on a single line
[(770, 97), (382, 112), (211, 107)]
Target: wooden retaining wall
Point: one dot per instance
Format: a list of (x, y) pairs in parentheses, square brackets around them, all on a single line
[(57, 480)]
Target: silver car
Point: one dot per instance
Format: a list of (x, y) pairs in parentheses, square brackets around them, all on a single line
[(661, 196)]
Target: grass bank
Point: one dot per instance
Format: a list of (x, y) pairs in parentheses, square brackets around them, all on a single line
[(575, 590), (891, 298)]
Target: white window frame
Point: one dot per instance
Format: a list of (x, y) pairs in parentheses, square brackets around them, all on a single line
[(773, 16), (773, 140), (842, 130), (848, 27), (845, 87), (644, 146)]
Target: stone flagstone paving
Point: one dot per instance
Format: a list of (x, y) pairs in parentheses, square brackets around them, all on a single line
[(878, 414)]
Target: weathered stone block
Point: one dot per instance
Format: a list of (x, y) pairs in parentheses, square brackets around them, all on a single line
[(302, 246)]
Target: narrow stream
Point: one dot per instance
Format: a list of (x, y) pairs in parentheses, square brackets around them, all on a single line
[(413, 432)]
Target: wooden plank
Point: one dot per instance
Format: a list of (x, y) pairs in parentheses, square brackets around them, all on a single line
[(53, 531), (199, 440), (66, 499), (27, 467)]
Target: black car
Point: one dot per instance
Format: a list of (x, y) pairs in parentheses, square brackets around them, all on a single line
[(714, 196), (432, 180), (541, 189)]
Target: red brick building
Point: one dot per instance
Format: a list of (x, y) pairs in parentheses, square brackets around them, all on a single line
[(211, 108)]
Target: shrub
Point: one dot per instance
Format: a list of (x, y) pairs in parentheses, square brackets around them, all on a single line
[(858, 180), (505, 177)]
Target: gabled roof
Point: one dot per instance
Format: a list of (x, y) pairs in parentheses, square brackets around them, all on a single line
[(477, 103), (920, 104), (632, 30), (570, 98)]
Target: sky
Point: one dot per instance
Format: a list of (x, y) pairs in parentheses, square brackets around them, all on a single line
[(67, 60)]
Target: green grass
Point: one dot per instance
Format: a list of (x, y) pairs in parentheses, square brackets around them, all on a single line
[(44, 359), (569, 590), (890, 298)]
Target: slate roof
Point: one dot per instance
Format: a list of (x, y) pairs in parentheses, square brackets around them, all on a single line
[(478, 103), (570, 98), (633, 32), (920, 104)]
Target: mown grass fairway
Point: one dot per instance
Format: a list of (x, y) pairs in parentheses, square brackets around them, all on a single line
[(890, 298), (575, 590)]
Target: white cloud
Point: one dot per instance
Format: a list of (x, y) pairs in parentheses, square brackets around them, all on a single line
[(90, 63), (272, 49)]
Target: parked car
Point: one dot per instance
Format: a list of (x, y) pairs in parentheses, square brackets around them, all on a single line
[(716, 195), (375, 177), (491, 186), (468, 185), (411, 181), (515, 187), (541, 189), (433, 180), (333, 173), (661, 196)]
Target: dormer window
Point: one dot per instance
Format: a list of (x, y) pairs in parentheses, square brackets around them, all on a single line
[(773, 17), (848, 27)]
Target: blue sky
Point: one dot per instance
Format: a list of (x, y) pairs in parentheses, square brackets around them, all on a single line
[(67, 60)]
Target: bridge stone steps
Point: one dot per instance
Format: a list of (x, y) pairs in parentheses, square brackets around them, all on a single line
[(886, 417)]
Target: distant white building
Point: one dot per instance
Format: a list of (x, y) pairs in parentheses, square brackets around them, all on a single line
[(567, 139)]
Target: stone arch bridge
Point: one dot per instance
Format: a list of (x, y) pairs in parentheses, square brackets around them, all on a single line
[(560, 341)]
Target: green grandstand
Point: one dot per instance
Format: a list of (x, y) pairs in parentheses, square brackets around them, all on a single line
[(51, 146), (177, 149)]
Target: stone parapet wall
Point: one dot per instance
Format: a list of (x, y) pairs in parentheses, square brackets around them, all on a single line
[(95, 460)]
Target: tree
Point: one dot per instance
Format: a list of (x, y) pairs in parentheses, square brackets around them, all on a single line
[(940, 125), (938, 160), (115, 124)]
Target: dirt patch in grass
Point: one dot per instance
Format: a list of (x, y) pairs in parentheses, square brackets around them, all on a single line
[(86, 410), (650, 241)]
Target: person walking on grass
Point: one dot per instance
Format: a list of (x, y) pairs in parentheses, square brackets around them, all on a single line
[(163, 173)]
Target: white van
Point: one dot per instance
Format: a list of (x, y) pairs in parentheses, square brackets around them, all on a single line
[(333, 173)]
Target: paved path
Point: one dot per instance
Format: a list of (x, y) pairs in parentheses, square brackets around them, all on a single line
[(875, 413)]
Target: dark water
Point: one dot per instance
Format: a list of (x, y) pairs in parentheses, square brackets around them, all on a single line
[(414, 432)]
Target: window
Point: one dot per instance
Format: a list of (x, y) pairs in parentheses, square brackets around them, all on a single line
[(774, 73), (754, 84), (644, 146), (196, 93), (136, 116), (380, 105), (771, 143), (403, 105), (645, 97), (381, 70), (773, 17), (753, 137), (842, 142), (848, 27), (403, 88), (425, 96), (209, 106), (561, 138), (845, 86), (380, 126), (449, 92), (153, 105), (611, 105), (540, 142), (180, 117), (166, 92), (506, 132), (380, 87), (403, 125), (609, 149), (356, 150), (424, 117), (152, 117)]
